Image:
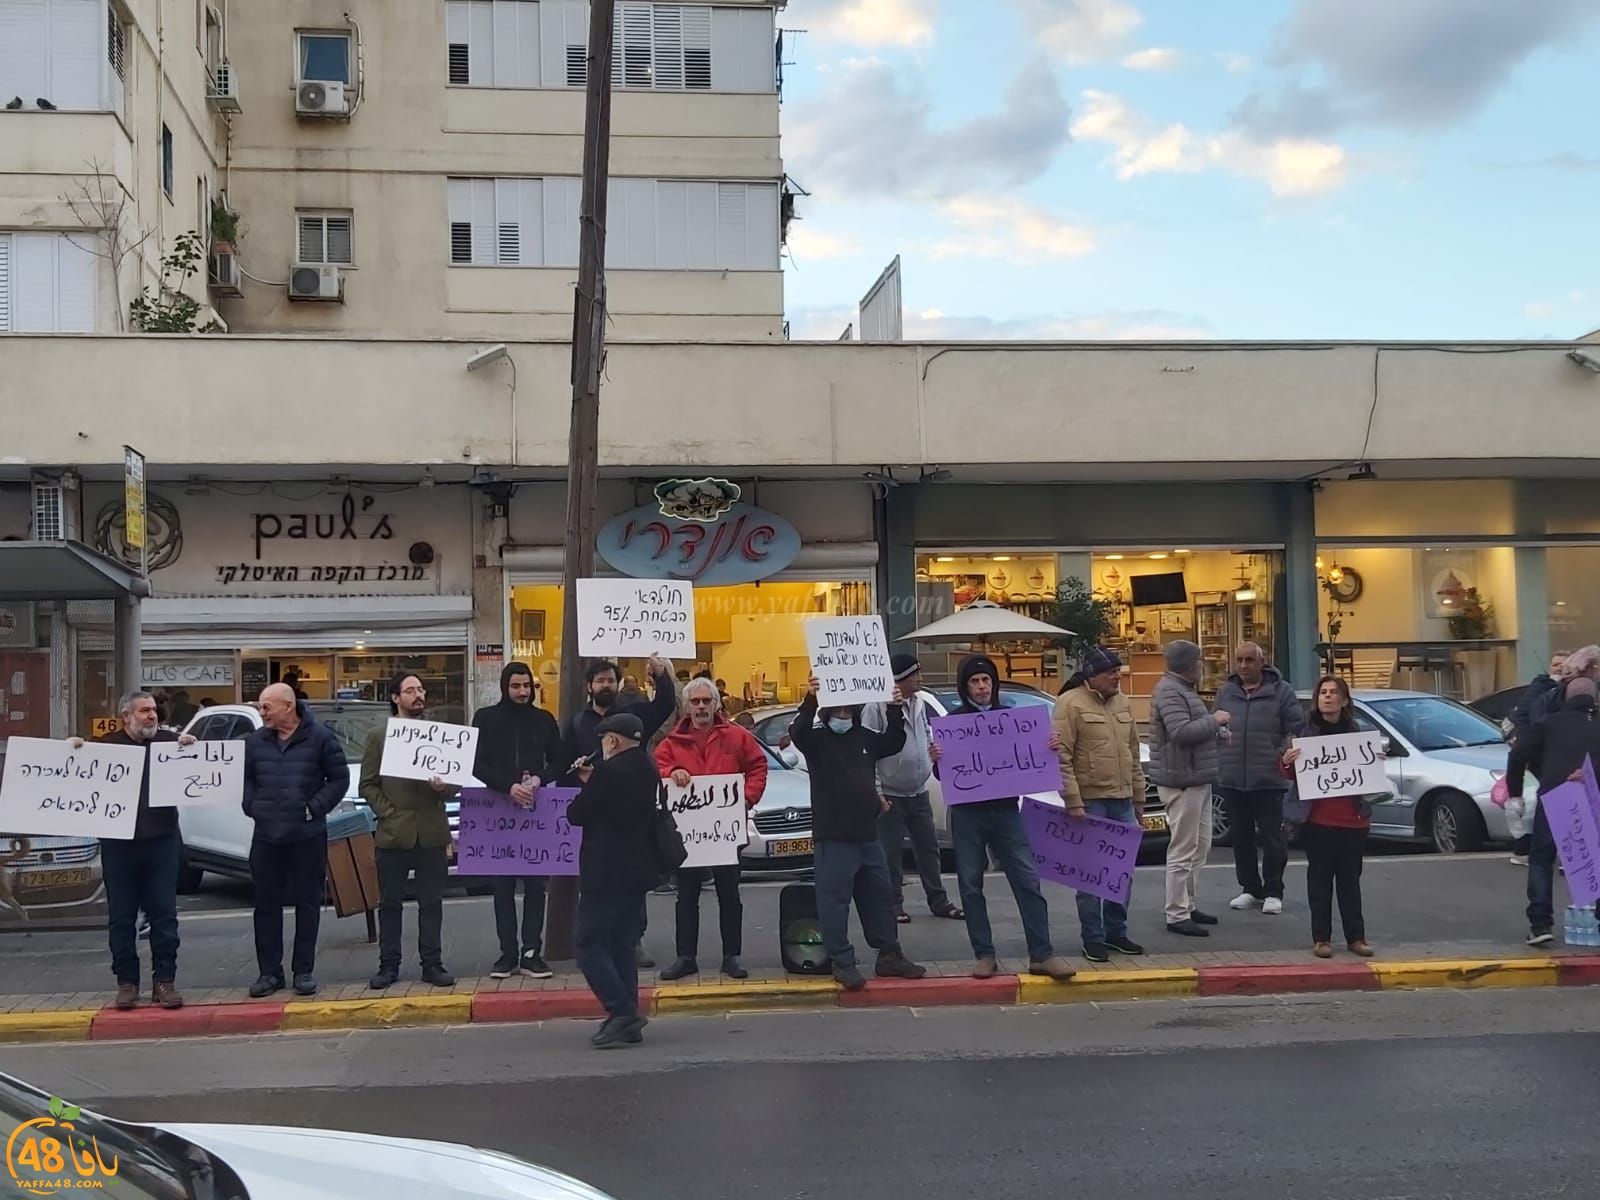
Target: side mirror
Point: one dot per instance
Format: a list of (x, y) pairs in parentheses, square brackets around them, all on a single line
[(1392, 748)]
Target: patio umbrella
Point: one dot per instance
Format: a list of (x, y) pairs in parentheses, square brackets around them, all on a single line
[(983, 622)]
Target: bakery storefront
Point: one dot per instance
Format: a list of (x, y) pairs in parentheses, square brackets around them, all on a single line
[(762, 558), (338, 586)]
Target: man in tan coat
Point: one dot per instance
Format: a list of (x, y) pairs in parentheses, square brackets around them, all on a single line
[(1100, 777)]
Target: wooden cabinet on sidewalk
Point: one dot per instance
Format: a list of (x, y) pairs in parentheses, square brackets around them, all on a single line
[(353, 878)]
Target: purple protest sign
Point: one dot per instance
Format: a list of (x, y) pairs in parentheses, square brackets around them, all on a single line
[(1576, 830), (498, 838), (995, 754), (1092, 855)]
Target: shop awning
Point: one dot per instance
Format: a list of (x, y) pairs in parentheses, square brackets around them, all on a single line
[(64, 571), (174, 623)]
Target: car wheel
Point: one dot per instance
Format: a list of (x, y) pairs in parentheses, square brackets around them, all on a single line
[(188, 877), (1456, 825), (1221, 827)]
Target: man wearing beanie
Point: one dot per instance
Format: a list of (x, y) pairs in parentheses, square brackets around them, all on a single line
[(903, 781), (1183, 762)]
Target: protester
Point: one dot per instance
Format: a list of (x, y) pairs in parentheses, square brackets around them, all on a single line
[(1183, 762), (183, 709), (519, 748), (1555, 748), (413, 839), (707, 743), (842, 757), (1536, 697), (1101, 776), (1265, 714), (141, 875), (295, 774), (617, 865), (903, 782), (1334, 834), (631, 693)]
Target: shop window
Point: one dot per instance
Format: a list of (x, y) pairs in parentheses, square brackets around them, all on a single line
[(366, 677)]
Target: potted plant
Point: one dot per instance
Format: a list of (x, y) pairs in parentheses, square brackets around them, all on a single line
[(224, 228), (1091, 620), (1475, 620)]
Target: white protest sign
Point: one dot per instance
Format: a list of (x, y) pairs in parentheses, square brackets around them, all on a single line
[(1342, 764), (201, 773), (635, 618), (425, 749), (850, 658), (710, 814), (51, 789)]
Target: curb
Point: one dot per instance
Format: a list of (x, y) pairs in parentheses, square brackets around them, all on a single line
[(482, 1008)]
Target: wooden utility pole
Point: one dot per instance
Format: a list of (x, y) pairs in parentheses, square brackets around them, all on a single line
[(583, 444)]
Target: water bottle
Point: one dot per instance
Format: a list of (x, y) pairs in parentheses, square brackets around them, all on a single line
[(1591, 927), (1569, 926)]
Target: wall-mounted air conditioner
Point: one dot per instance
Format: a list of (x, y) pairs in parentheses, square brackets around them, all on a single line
[(321, 98), (224, 275), (224, 92), (315, 281)]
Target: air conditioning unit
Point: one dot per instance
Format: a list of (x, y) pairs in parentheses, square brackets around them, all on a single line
[(315, 281), (51, 513), (224, 275), (320, 98), (224, 93)]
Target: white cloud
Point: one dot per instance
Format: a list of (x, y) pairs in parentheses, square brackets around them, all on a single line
[(903, 23), (996, 227), (1080, 30), (1156, 58), (1236, 63), (1538, 310), (808, 244)]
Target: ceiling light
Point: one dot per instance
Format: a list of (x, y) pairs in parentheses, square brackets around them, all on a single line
[(945, 558), (1183, 552), (1158, 556), (1362, 471), (1114, 557), (1002, 558), (1245, 594), (1561, 603)]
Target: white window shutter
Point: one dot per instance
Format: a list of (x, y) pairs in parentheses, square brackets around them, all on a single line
[(310, 240), (761, 226), (699, 61), (77, 282), (672, 225), (483, 222), (743, 50), (731, 234), (527, 43), (339, 244), (642, 201), (503, 41), (702, 226), (508, 222), (563, 43), (562, 199), (77, 30), (24, 49), (480, 43), (635, 40), (668, 62), (5, 283), (531, 218)]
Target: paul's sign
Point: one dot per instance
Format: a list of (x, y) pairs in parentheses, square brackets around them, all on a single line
[(740, 545)]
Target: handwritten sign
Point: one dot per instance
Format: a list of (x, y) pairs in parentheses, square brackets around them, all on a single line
[(996, 754), (710, 814), (1342, 764), (633, 617), (425, 749), (50, 788), (1092, 855), (1571, 813), (850, 658), (496, 837), (204, 773)]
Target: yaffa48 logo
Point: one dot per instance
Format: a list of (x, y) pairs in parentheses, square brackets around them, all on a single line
[(47, 1153)]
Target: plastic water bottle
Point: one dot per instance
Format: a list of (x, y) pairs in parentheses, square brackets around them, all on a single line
[(1591, 927), (1569, 926)]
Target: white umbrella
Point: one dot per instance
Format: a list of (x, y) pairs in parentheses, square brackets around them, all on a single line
[(984, 621)]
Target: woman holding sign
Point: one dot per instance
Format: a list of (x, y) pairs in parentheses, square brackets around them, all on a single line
[(1335, 834)]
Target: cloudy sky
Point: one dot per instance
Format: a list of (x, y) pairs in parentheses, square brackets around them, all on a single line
[(1197, 168)]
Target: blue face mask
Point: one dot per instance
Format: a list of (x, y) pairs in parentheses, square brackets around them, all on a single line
[(840, 724)]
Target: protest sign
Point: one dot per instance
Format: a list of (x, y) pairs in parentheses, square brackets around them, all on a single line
[(1341, 764), (850, 658), (1092, 855), (202, 773), (1574, 825), (995, 754), (710, 814), (425, 749), (50, 788), (496, 837), (635, 617)]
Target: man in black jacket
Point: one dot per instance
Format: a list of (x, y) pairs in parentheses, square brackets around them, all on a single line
[(142, 874), (519, 749), (842, 759), (1556, 748), (617, 866), (295, 774)]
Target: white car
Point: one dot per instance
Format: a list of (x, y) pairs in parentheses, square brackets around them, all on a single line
[(179, 1162)]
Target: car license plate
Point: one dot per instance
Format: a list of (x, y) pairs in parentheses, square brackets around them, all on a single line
[(789, 849), (1155, 824), (58, 878)]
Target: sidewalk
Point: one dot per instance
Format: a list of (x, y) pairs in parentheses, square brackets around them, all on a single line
[(1436, 922)]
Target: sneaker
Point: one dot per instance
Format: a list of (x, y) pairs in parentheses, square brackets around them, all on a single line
[(1097, 952), (733, 968), (164, 994), (1540, 937), (1519, 860), (1202, 918), (305, 985), (1272, 906), (534, 966), (894, 965), (1188, 929), (385, 978), (265, 985), (850, 978), (985, 968), (1055, 967), (680, 969), (1123, 946), (504, 968), (128, 996), (438, 977), (1244, 901)]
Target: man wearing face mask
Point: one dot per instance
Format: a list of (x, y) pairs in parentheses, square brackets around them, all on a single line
[(617, 867)]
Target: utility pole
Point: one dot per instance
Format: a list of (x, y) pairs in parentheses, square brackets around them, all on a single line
[(583, 443)]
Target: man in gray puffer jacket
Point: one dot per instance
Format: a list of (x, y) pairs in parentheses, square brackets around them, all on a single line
[(1183, 763)]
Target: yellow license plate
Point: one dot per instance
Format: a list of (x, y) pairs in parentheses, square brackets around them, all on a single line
[(1153, 824), (59, 878), (789, 849)]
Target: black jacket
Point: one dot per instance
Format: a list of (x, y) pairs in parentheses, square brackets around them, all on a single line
[(616, 810), (578, 730), (1555, 747), (1540, 698), (1264, 722), (291, 786), (844, 771), (980, 664), (152, 822), (516, 740)]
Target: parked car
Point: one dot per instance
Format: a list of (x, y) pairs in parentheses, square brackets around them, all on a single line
[(53, 880), (1497, 706)]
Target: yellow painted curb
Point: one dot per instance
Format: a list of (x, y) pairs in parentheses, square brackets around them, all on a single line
[(743, 997), (1468, 973), (70, 1026), (1109, 985), (386, 1013)]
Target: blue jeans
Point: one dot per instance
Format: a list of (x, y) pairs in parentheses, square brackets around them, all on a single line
[(976, 830), (1541, 873), (607, 950), (1102, 919), (859, 871), (143, 874)]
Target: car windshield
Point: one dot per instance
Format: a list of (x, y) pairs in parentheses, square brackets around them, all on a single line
[(352, 724), (1432, 723)]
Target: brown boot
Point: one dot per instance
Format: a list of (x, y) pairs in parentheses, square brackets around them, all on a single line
[(127, 996), (985, 968), (1360, 947), (165, 993), (1323, 950), (1056, 968)]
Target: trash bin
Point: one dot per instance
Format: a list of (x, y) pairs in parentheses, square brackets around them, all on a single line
[(800, 932), (353, 866)]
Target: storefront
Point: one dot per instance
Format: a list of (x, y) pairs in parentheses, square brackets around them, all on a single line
[(337, 587), (762, 558)]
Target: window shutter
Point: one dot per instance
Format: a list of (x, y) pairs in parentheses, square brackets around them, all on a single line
[(460, 64), (338, 240), (311, 240), (697, 55), (116, 59), (24, 49), (480, 42), (5, 283), (460, 206), (76, 28), (761, 227), (458, 41), (635, 41), (528, 47), (555, 27), (461, 243), (562, 199), (669, 34), (731, 205), (702, 254), (508, 222), (77, 281), (515, 42), (672, 225), (743, 56), (531, 219), (483, 221)]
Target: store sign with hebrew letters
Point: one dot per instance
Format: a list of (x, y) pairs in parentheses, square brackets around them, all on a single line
[(699, 531)]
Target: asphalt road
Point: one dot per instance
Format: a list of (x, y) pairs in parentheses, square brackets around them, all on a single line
[(1391, 1096)]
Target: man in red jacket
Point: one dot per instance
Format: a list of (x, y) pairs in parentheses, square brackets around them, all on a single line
[(707, 743)]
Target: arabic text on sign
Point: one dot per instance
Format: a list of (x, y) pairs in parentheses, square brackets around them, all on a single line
[(710, 815), (199, 773), (1341, 764)]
